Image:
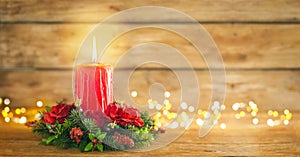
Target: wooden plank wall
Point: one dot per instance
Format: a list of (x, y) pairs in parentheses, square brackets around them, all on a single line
[(259, 41)]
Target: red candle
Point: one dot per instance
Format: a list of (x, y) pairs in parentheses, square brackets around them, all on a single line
[(94, 86)]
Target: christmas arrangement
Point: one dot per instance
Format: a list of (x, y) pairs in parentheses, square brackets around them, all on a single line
[(95, 121), (120, 127)]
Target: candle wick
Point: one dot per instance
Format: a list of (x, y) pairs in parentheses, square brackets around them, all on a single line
[(94, 57)]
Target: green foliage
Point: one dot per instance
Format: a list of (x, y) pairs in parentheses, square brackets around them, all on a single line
[(111, 144), (88, 147), (94, 138), (83, 143), (99, 147), (48, 108)]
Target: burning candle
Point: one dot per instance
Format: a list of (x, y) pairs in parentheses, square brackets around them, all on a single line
[(93, 84)]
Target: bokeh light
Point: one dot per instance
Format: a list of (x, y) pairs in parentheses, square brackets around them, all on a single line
[(167, 94), (255, 121), (6, 101), (223, 126), (39, 103), (23, 120), (134, 94)]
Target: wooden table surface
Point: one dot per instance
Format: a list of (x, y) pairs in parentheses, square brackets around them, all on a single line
[(240, 138), (259, 41)]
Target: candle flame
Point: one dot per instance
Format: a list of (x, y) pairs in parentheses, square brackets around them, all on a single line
[(94, 57)]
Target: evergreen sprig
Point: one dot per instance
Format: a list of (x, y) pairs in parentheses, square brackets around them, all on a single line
[(80, 131)]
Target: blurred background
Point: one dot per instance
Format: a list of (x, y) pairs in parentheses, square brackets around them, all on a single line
[(259, 41)]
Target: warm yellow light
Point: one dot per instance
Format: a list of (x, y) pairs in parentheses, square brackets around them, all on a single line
[(207, 115), (6, 109), (174, 115), (134, 94), (270, 112), (277, 122), (23, 120), (255, 121), (286, 111), (156, 119), (282, 117), (270, 122), (253, 113), (166, 101), (37, 116), (165, 112), (18, 111), (16, 120), (255, 109), (10, 115), (288, 116), (6, 101), (249, 109), (275, 114), (4, 113), (168, 106), (286, 122), (242, 114), (218, 116), (235, 106), (158, 114), (7, 119), (39, 103), (167, 94), (223, 107), (199, 112), (223, 126), (199, 121), (1, 100), (158, 124), (252, 105), (243, 105), (23, 110), (169, 116), (204, 113), (237, 116)]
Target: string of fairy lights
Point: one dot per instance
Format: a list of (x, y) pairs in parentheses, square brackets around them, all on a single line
[(166, 115), (17, 115)]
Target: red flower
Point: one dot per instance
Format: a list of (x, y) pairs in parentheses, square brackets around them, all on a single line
[(123, 139), (32, 124), (124, 115), (57, 113), (98, 116), (76, 134), (48, 119)]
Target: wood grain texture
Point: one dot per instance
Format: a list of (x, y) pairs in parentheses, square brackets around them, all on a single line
[(243, 139), (270, 89), (201, 10), (241, 46), (259, 41)]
